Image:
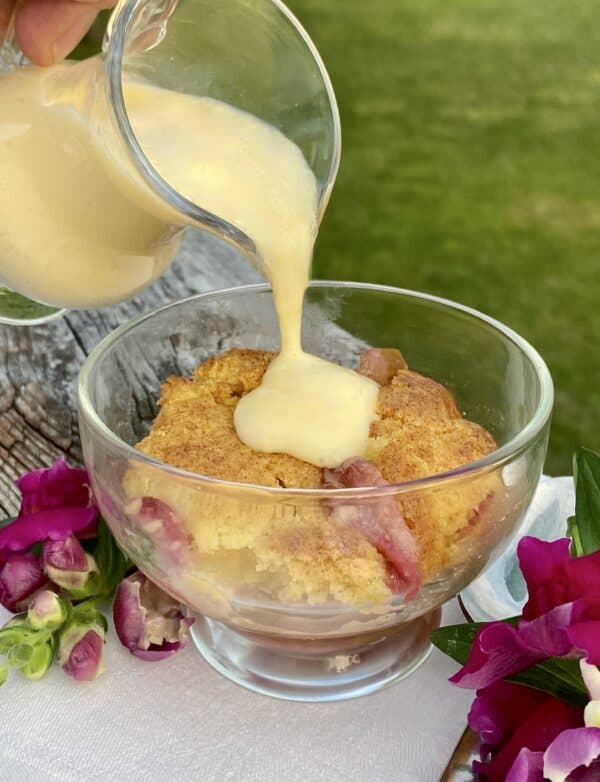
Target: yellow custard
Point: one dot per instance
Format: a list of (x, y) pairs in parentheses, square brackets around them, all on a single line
[(79, 228)]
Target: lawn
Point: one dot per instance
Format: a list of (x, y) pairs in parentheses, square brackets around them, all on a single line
[(471, 169)]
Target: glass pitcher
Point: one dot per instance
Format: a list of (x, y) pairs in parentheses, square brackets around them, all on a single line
[(75, 234)]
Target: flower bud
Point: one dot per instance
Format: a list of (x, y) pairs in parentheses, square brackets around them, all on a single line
[(69, 566), (47, 611), (159, 523), (39, 662), (16, 631), (21, 576), (20, 654), (81, 645), (26, 648), (147, 620)]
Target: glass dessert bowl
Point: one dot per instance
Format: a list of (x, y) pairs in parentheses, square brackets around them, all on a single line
[(300, 593)]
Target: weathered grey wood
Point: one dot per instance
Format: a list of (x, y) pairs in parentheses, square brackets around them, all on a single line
[(39, 365)]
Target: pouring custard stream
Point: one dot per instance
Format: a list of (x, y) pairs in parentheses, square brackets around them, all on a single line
[(78, 250)]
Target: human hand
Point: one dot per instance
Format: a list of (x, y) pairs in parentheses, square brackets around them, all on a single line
[(48, 30)]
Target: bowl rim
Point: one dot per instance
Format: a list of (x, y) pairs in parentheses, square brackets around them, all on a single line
[(492, 461)]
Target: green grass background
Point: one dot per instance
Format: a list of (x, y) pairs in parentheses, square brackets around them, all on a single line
[(471, 169)]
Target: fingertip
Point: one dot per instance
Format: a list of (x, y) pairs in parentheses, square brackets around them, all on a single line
[(35, 45), (6, 11), (48, 30)]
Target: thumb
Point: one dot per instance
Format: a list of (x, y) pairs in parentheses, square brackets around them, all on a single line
[(6, 9), (48, 30)]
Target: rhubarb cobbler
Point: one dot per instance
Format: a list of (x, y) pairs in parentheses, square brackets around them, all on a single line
[(345, 550)]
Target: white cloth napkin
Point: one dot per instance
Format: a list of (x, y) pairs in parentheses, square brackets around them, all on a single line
[(501, 591), (180, 721)]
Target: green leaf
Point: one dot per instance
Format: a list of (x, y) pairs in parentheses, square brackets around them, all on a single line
[(111, 561), (556, 676), (456, 640), (3, 673), (586, 471), (5, 522)]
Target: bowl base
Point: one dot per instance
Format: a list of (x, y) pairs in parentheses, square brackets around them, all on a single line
[(331, 669)]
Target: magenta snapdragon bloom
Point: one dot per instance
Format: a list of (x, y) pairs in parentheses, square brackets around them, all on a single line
[(573, 756), (528, 767), (148, 621), (527, 736), (554, 577), (83, 661), (81, 646), (561, 617), (56, 503), (58, 486), (159, 522), (20, 578), (70, 567), (509, 717)]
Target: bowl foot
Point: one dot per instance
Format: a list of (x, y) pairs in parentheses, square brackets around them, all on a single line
[(327, 669)]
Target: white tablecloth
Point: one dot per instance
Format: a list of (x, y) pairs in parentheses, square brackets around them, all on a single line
[(178, 721)]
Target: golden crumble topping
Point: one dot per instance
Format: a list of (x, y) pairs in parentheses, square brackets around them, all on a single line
[(300, 551)]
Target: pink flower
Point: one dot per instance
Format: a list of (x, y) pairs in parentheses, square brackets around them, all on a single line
[(81, 646), (528, 767), (562, 616), (67, 555), (508, 718), (573, 749), (498, 710), (56, 503), (83, 660), (147, 620), (554, 577), (527, 736), (59, 486), (160, 524), (69, 566), (573, 756), (47, 611), (500, 650), (21, 576)]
